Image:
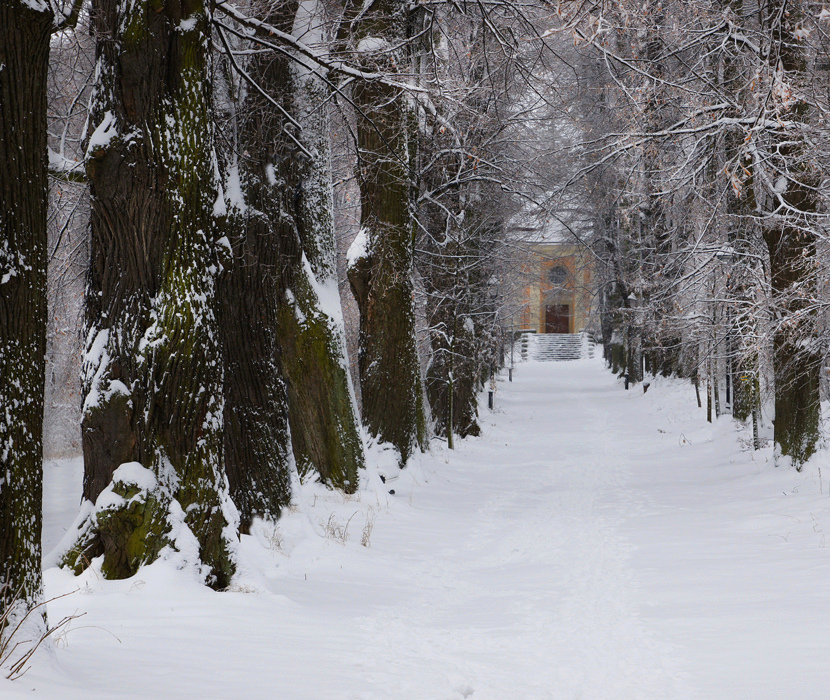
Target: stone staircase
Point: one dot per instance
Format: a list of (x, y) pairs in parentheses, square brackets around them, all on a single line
[(556, 347)]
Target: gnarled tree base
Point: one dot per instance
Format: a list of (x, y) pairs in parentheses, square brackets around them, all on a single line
[(136, 520)]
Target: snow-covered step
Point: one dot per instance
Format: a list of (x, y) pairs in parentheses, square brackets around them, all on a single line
[(558, 347)]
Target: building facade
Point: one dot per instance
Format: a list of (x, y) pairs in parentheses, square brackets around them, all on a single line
[(556, 296)]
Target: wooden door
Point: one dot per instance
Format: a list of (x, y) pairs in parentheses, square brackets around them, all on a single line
[(557, 318)]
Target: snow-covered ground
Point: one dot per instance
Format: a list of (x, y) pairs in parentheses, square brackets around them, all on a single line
[(594, 543)]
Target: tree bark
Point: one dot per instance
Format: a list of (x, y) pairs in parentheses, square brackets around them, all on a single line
[(153, 370), (791, 242), (257, 434), (381, 271), (286, 181), (322, 408), (740, 209), (24, 57), (455, 281), (796, 361)]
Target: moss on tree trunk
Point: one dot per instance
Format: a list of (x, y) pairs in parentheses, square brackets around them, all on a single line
[(324, 427), (791, 243), (153, 371), (381, 276)]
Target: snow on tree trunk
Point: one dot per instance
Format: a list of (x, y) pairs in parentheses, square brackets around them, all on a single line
[(257, 435), (324, 428), (285, 189), (791, 241), (25, 29), (153, 408), (380, 260)]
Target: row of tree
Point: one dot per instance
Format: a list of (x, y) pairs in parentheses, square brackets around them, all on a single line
[(703, 163), (681, 143), (214, 368)]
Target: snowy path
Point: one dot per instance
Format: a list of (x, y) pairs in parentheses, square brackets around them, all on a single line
[(594, 543), (523, 586)]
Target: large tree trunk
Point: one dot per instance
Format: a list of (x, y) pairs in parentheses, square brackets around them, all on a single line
[(153, 370), (288, 249), (257, 434), (653, 241), (257, 437), (796, 360), (740, 207), (380, 271), (24, 57), (453, 375), (791, 243), (322, 408)]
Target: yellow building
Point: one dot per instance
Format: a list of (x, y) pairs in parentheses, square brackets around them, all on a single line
[(556, 295)]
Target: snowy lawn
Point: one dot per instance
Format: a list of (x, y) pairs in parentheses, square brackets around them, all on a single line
[(594, 543)]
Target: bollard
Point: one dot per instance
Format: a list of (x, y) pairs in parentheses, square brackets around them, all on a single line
[(625, 376), (510, 374), (490, 400)]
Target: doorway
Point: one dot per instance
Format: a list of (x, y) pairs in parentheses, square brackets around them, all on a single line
[(558, 318)]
